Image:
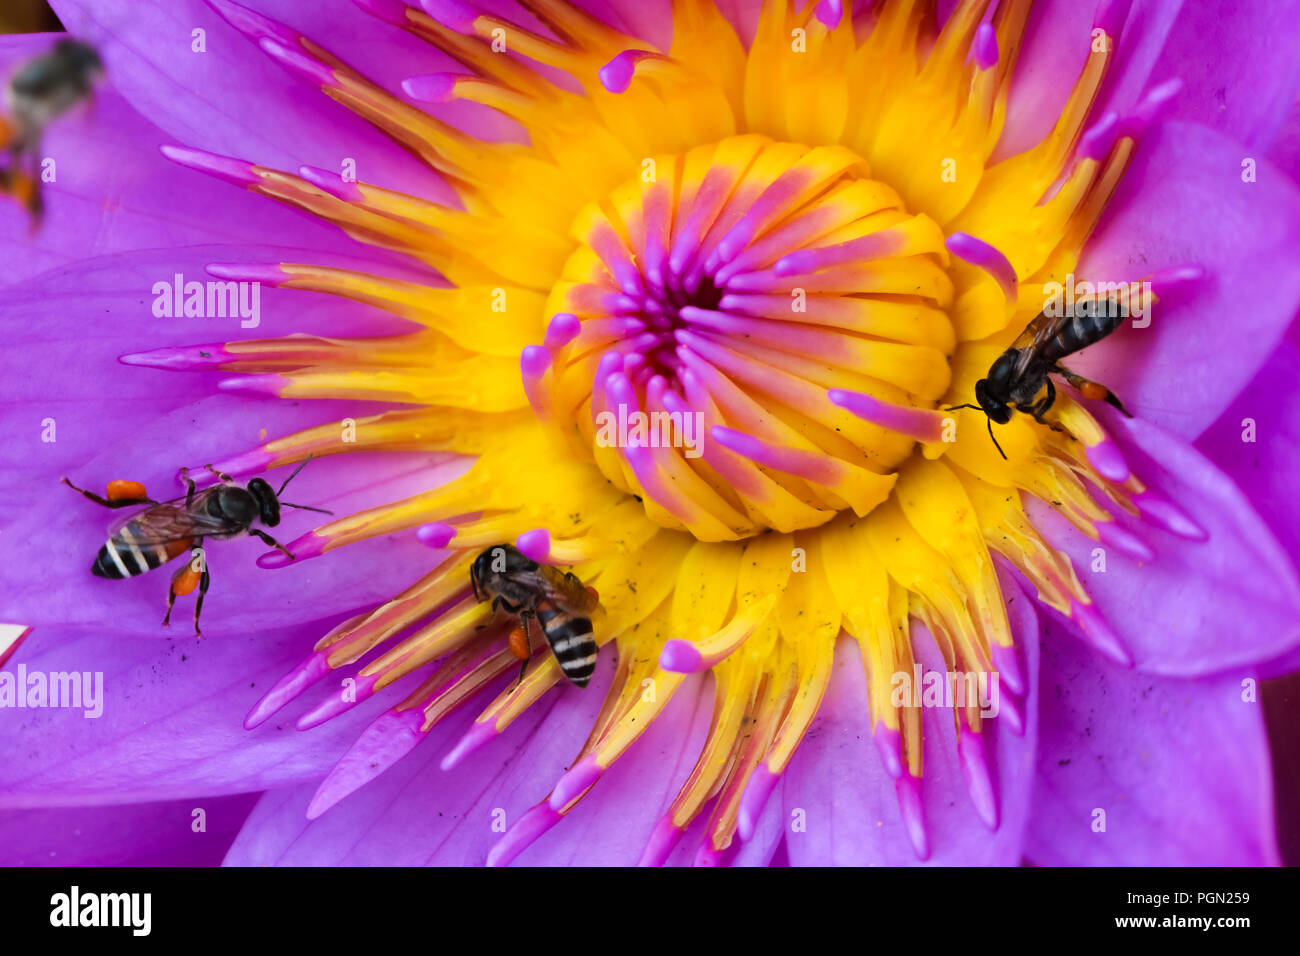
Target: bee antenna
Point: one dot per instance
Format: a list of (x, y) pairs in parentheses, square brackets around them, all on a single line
[(953, 408), (305, 507), (293, 476), (995, 441)]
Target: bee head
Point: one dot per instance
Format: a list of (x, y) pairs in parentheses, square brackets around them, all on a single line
[(498, 559), (478, 572), (80, 60), (996, 409), (80, 55), (267, 503)]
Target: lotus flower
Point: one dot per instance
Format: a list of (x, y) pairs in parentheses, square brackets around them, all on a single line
[(432, 249)]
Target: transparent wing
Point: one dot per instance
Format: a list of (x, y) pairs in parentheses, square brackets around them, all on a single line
[(1036, 335), (167, 522), (567, 588)]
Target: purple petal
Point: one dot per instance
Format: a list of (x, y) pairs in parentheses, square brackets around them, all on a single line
[(417, 814), (202, 99), (1227, 603), (1285, 151), (1265, 467), (1183, 202), (1180, 767), (1244, 82), (1056, 45), (172, 719), (135, 834)]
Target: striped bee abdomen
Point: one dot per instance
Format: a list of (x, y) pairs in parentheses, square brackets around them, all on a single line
[(1091, 323), (572, 641), (123, 556)]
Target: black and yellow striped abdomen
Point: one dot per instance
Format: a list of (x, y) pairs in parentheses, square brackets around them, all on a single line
[(123, 556), (572, 641)]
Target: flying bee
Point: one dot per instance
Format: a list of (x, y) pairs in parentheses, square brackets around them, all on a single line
[(42, 90), (555, 599), (1017, 375), (165, 530)]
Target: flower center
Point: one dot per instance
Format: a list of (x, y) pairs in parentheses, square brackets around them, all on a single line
[(723, 312)]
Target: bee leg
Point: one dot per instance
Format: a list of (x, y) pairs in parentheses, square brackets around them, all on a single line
[(1094, 390), (220, 474), (1113, 400), (204, 580), (1038, 417), (183, 582), (115, 503), (1039, 409), (171, 600), (259, 533), (523, 664), (189, 487)]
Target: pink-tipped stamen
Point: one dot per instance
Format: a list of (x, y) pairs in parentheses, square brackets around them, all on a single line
[(237, 171), (979, 782), (1098, 632), (183, 358), (987, 257), (390, 738), (923, 424), (908, 791), (359, 691), (889, 744), (663, 840), (757, 792), (315, 668), (478, 736), (309, 545)]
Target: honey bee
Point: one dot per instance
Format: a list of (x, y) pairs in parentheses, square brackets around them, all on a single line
[(42, 90), (1017, 375), (165, 530), (557, 600)]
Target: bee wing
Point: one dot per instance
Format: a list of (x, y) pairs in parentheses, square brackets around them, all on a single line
[(567, 588), (1042, 330), (164, 523)]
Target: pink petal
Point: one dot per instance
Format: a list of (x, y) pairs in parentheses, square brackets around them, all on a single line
[(1265, 468), (134, 834), (417, 814), (1198, 608), (1244, 82), (172, 719), (1180, 767)]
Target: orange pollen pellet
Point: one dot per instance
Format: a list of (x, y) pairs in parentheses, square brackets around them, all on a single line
[(592, 592), (185, 581), (117, 490), (1094, 391), (519, 644), (24, 189)]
